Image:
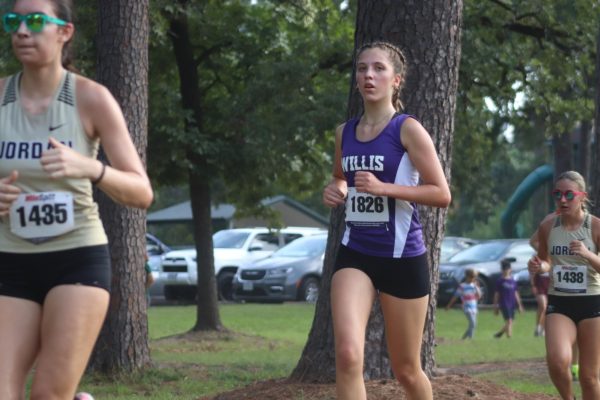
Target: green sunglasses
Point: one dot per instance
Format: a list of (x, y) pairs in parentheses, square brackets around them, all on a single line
[(35, 22)]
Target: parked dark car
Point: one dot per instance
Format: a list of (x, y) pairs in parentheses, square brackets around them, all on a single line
[(524, 286), (291, 273), (453, 244), (485, 258)]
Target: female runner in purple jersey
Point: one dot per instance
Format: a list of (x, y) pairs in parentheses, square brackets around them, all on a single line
[(379, 159)]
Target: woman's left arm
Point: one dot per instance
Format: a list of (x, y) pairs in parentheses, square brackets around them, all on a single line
[(125, 181), (580, 249), (433, 191)]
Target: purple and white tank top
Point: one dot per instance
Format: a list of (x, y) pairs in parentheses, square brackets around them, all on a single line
[(379, 225)]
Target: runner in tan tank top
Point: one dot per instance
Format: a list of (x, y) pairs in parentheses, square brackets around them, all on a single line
[(54, 261), (568, 251)]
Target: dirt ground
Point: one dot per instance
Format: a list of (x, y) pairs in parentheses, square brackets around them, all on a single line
[(455, 383)]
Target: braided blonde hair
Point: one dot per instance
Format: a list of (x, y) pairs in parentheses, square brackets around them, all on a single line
[(398, 61)]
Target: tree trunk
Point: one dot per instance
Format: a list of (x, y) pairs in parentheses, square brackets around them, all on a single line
[(429, 34), (207, 310), (584, 153), (207, 314), (123, 68), (594, 178), (563, 153)]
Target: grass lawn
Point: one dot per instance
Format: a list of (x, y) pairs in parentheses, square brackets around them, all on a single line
[(265, 341)]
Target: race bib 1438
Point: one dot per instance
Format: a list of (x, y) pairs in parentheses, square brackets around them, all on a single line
[(570, 278)]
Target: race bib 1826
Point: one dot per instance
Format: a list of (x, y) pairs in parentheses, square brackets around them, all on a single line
[(364, 207)]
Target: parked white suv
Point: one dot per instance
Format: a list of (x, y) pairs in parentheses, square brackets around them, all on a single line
[(232, 248)]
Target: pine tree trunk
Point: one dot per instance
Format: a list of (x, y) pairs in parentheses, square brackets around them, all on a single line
[(585, 144), (123, 68), (563, 153), (594, 178), (429, 34)]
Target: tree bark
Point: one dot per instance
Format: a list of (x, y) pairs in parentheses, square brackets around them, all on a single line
[(594, 178), (123, 34), (207, 313), (563, 153), (584, 158), (429, 34)]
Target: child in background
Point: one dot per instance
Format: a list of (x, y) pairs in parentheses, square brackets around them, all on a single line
[(149, 278), (469, 294), (506, 298)]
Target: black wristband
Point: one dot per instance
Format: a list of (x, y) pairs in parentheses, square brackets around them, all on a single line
[(99, 178)]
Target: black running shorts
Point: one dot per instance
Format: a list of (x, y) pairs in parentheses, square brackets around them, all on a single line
[(32, 275), (577, 308), (405, 278)]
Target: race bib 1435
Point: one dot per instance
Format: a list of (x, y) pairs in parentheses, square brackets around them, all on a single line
[(39, 216)]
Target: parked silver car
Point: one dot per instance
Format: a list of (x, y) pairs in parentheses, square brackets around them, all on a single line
[(453, 244), (156, 251), (291, 273), (232, 248), (485, 258)]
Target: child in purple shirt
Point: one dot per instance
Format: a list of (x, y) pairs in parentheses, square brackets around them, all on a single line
[(506, 298)]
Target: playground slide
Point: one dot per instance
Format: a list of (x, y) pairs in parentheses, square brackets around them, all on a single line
[(521, 195)]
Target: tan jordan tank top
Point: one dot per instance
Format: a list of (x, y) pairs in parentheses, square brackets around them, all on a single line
[(51, 214), (572, 275)]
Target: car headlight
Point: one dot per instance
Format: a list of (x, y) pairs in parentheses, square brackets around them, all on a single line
[(279, 271)]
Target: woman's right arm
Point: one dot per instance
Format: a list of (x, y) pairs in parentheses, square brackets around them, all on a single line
[(8, 191), (335, 192), (540, 262)]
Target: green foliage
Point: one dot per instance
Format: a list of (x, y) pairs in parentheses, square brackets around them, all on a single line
[(270, 97), (274, 81), (514, 73)]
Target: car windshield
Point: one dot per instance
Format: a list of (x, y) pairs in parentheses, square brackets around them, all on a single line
[(229, 239), (482, 252), (448, 249), (303, 247)]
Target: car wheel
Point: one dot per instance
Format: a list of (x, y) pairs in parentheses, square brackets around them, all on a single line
[(484, 287), (190, 294), (170, 293), (225, 285), (309, 291)]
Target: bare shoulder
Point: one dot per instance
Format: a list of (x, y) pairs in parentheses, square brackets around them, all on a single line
[(91, 93), (412, 132), (340, 129), (548, 221), (596, 225)]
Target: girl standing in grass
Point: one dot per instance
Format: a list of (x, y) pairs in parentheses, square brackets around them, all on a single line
[(469, 294)]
